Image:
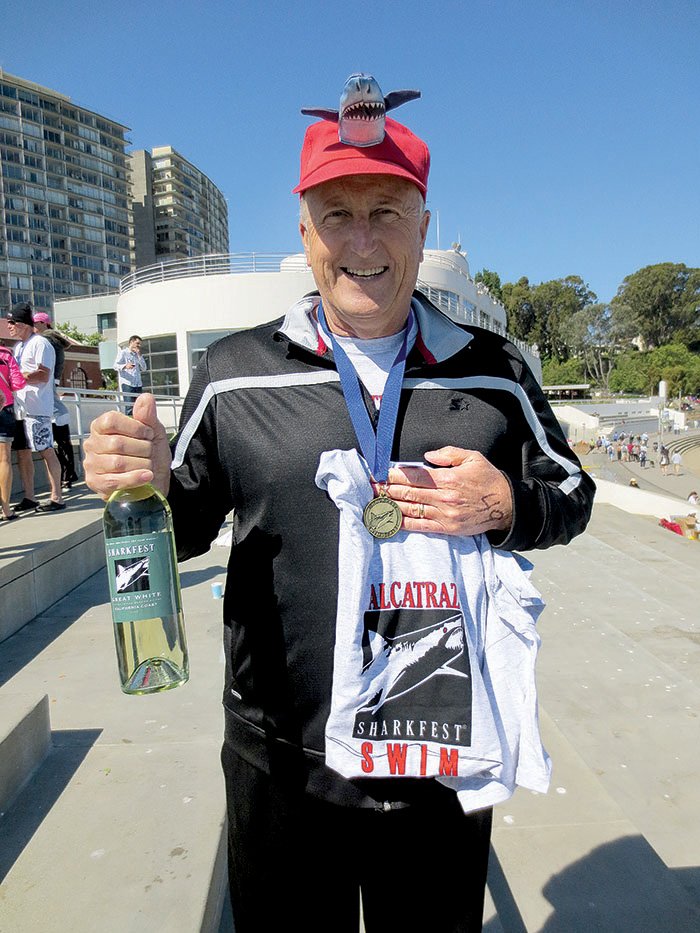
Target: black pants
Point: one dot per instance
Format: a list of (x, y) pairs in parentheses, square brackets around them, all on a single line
[(64, 449), (297, 860)]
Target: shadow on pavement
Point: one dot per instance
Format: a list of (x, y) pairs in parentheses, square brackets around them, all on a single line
[(29, 641), (622, 885), (41, 792)]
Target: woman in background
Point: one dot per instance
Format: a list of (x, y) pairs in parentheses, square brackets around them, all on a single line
[(11, 379)]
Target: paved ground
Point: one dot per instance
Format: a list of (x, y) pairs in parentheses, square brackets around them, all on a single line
[(650, 478), (614, 846)]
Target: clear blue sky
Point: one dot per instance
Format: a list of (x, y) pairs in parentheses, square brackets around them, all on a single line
[(565, 135)]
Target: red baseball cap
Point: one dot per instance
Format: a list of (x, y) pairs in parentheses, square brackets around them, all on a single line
[(324, 157)]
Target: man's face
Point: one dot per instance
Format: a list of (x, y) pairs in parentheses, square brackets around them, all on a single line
[(20, 331), (135, 345), (363, 237)]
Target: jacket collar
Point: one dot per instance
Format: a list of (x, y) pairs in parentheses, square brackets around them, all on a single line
[(438, 337)]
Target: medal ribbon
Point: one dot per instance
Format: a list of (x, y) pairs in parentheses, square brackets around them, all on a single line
[(376, 448)]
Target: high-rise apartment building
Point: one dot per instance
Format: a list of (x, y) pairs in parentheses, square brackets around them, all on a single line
[(178, 211), (64, 198)]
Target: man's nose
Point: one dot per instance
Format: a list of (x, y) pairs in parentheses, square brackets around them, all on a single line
[(364, 238)]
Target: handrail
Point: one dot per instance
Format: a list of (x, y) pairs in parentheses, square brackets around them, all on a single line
[(211, 264), (491, 324), (85, 405), (238, 263)]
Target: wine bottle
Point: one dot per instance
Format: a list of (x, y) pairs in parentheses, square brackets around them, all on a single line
[(145, 591)]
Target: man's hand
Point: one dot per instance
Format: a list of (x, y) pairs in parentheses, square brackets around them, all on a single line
[(469, 497), (123, 452), (37, 376)]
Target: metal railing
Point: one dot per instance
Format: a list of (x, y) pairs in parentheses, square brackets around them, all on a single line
[(84, 405), (237, 263), (212, 264), (487, 322)]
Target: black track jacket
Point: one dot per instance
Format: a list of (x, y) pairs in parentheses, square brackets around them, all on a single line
[(263, 405)]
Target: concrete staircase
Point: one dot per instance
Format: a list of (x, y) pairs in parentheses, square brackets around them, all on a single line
[(113, 808), (615, 845)]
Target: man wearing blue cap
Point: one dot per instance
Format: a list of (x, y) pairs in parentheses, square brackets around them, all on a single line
[(364, 434)]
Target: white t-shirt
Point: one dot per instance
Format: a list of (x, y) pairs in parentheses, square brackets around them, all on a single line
[(434, 662), (373, 359), (35, 399)]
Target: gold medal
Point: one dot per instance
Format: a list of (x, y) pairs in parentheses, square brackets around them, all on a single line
[(382, 516)]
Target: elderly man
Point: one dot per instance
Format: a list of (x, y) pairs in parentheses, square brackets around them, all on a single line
[(34, 409), (266, 406)]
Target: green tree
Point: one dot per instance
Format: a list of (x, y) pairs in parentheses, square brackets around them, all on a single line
[(517, 298), (660, 304), (640, 372), (70, 330), (629, 373), (677, 365), (556, 303), (492, 281), (557, 374), (542, 314), (592, 338)]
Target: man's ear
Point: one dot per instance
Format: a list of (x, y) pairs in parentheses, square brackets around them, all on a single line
[(424, 224), (304, 234)]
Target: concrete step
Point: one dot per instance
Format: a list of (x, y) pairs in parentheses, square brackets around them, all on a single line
[(25, 740), (45, 556), (574, 862), (125, 819), (619, 687)]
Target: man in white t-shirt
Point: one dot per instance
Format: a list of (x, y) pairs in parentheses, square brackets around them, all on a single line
[(34, 409)]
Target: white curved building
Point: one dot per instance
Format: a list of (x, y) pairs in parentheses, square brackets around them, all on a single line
[(180, 307)]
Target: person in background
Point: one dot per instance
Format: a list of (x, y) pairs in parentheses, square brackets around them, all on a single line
[(11, 379), (693, 498), (130, 365), (61, 416), (34, 409)]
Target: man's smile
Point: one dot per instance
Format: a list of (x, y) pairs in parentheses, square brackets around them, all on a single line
[(364, 273)]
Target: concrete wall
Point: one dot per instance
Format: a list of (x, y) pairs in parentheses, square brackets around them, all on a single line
[(208, 302), (83, 311)]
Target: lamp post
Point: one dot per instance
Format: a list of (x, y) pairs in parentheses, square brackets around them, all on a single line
[(663, 389)]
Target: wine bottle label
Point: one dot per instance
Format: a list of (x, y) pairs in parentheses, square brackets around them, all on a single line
[(142, 577)]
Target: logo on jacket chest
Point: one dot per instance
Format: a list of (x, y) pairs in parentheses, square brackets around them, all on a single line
[(459, 403)]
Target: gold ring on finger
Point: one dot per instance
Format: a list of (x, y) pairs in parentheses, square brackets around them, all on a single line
[(421, 510)]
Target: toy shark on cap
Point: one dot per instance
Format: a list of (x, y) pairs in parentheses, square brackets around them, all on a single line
[(363, 109)]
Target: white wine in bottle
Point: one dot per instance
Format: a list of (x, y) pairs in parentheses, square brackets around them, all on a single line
[(145, 591)]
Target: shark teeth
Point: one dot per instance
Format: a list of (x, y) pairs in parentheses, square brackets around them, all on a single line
[(366, 272), (364, 110)]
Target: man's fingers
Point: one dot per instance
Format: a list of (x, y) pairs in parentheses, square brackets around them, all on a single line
[(104, 484), (412, 476), (116, 423), (146, 411), (450, 456)]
